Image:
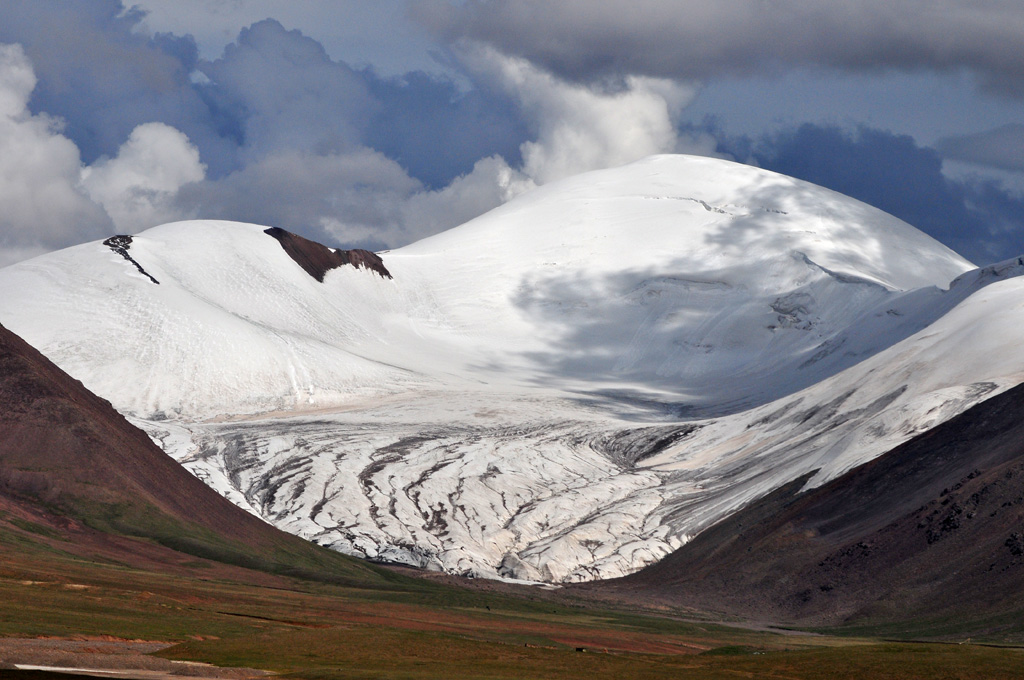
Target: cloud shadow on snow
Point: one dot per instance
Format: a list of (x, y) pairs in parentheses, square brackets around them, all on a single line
[(689, 339)]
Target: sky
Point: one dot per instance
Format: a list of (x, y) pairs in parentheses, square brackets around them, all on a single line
[(375, 124)]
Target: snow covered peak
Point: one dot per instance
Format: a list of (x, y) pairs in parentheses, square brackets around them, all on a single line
[(697, 213), (701, 283), (704, 283), (483, 410), (235, 326)]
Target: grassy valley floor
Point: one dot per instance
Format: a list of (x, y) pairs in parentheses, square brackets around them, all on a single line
[(399, 627)]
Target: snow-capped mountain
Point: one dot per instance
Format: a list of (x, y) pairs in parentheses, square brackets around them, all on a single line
[(568, 387)]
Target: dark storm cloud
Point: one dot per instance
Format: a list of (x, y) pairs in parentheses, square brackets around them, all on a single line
[(696, 39), (979, 219), (1002, 148)]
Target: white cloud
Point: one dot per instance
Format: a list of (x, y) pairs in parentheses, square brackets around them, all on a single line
[(580, 128), (354, 195), (138, 187), (49, 200), (17, 80), (376, 32), (491, 183), (576, 129), (289, 93), (357, 196), (324, 184), (42, 205)]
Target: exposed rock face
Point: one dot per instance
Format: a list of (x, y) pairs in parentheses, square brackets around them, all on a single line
[(933, 528), (317, 259)]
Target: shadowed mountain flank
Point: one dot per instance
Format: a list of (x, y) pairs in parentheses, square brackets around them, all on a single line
[(74, 471), (931, 531), (317, 259)]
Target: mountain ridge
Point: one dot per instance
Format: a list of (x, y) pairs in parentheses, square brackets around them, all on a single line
[(925, 534), (73, 469), (503, 413)]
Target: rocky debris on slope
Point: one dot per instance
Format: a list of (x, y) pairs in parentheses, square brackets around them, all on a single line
[(120, 245), (930, 529), (627, 448), (317, 259)]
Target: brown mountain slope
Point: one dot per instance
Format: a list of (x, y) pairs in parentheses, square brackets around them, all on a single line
[(74, 472), (932, 533)]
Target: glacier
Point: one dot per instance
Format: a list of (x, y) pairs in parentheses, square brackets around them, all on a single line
[(566, 388)]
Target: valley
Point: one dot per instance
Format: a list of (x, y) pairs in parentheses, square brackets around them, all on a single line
[(612, 414)]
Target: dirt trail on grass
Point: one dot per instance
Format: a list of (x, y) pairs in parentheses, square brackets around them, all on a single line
[(110, 658)]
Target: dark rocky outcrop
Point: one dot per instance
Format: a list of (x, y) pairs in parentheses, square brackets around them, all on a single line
[(120, 244), (317, 259)]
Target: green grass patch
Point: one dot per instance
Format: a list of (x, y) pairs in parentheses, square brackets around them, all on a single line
[(307, 612), (33, 527)]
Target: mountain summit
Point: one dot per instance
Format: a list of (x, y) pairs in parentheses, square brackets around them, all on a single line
[(695, 279), (566, 388)]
